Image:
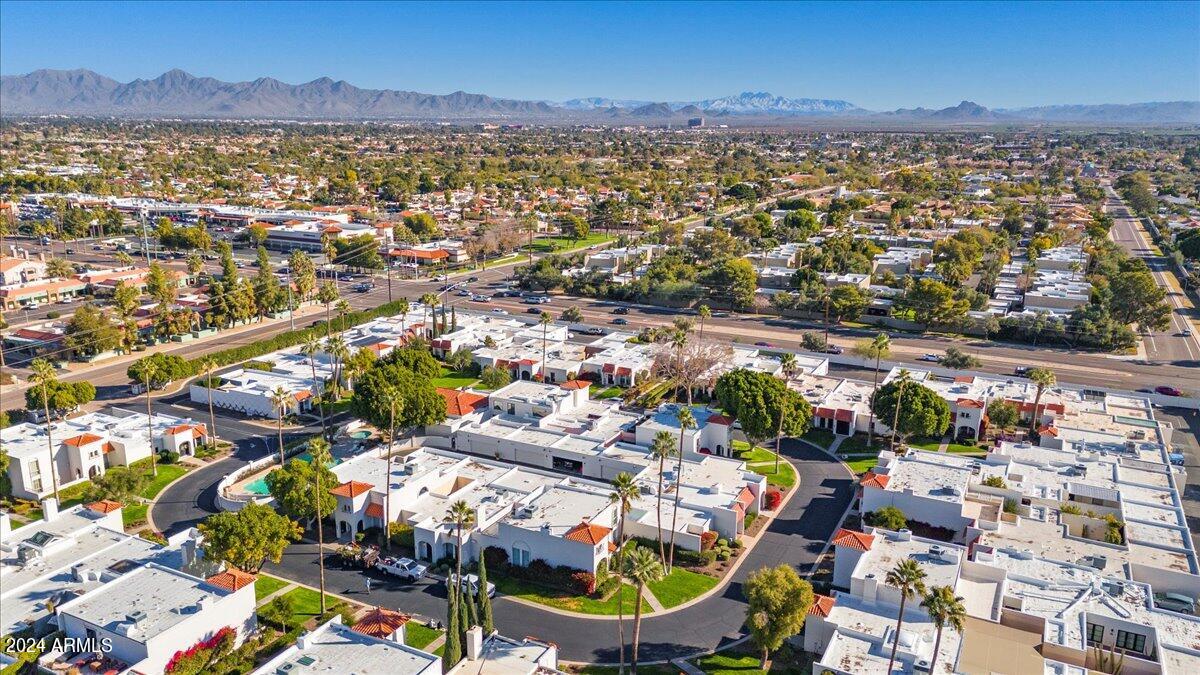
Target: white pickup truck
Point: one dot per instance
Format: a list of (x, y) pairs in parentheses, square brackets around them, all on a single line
[(404, 568)]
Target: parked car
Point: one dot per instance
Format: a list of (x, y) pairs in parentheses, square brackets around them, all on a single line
[(363, 287), (1021, 370), (497, 310), (405, 568), (833, 349), (69, 250), (480, 298), (932, 358), (1186, 332), (620, 322), (1166, 390), (470, 583), (1175, 602), (472, 280), (763, 344), (463, 293), (621, 310), (593, 330), (533, 310)]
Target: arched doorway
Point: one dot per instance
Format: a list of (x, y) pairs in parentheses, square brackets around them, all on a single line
[(360, 525), (93, 472), (425, 551)]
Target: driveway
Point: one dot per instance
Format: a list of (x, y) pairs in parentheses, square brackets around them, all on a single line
[(796, 537)]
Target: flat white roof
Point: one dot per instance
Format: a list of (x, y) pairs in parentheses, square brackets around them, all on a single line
[(334, 648)]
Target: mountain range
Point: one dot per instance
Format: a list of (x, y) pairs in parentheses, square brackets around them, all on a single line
[(176, 93)]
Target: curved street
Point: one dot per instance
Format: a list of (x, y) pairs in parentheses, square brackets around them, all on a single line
[(796, 536)]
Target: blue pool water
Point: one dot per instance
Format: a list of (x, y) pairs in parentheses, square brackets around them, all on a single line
[(259, 485)]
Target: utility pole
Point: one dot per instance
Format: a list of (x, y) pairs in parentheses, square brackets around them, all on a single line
[(291, 304), (145, 239), (388, 264)]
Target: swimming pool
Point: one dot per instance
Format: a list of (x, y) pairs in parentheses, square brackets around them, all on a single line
[(258, 486), (360, 435)]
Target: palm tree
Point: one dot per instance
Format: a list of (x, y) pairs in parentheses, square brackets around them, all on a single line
[(877, 348), (428, 302), (641, 567), (403, 308), (327, 294), (393, 400), (310, 348), (45, 377), (545, 319), (903, 379), (337, 350), (343, 308), (705, 314), (1044, 378), (150, 371), (662, 448), (686, 421), (625, 491), (908, 577), (318, 448), (944, 609), (463, 516), (280, 398), (209, 364)]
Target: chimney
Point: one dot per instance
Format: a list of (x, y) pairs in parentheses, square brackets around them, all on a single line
[(474, 643), (5, 525), (189, 552), (50, 508)]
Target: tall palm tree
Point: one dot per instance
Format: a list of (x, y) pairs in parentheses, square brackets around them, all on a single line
[(44, 377), (337, 350), (402, 308), (705, 314), (902, 378), (319, 449), (686, 421), (394, 400), (1044, 378), (150, 370), (280, 398), (679, 341), (661, 449), (545, 319), (463, 516), (788, 365), (310, 348), (944, 609), (208, 364), (625, 491), (879, 347), (641, 567), (343, 308), (909, 578), (428, 302)]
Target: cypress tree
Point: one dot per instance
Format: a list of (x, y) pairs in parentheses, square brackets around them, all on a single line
[(485, 603), (464, 622), (454, 318), (452, 653)]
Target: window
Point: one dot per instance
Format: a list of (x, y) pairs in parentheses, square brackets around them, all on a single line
[(1131, 641), (1095, 633), (36, 485), (520, 556)]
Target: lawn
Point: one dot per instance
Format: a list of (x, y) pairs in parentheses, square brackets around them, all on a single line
[(552, 244), (502, 261), (960, 449), (858, 443), (680, 586), (453, 379), (931, 444), (266, 585), (598, 392), (306, 603), (820, 437), (860, 466), (419, 635), (568, 601), (728, 664), (660, 669), (167, 474), (135, 514), (762, 462)]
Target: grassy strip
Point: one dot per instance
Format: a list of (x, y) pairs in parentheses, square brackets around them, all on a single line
[(819, 437), (451, 379), (861, 466), (762, 462), (167, 474), (568, 601), (680, 586), (729, 664), (419, 635), (553, 244), (266, 585)]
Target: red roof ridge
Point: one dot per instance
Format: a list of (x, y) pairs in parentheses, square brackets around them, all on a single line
[(587, 533), (853, 539), (231, 579), (351, 489), (876, 480)]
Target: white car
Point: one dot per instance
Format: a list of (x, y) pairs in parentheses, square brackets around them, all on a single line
[(933, 358), (470, 583), (497, 310), (405, 568)]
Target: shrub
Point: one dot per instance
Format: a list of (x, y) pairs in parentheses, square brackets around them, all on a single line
[(496, 558), (888, 517), (583, 583), (258, 365), (774, 498), (401, 534), (1010, 505), (996, 482), (168, 457), (1070, 508), (707, 540), (53, 315), (277, 612), (540, 569)]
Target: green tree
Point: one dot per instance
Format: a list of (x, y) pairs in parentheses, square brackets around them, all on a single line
[(91, 332), (493, 378), (118, 483), (269, 293), (662, 449), (889, 518), (738, 280), (1002, 414), (161, 285), (959, 360), (485, 602), (281, 400), (294, 487), (303, 273), (800, 225), (248, 538), (416, 359), (847, 303), (574, 227), (423, 225), (641, 566), (873, 349), (461, 360), (571, 315), (256, 234), (327, 295), (777, 602), (420, 404), (933, 303), (763, 405), (452, 649), (624, 493), (913, 408), (944, 609), (462, 516), (908, 577), (58, 268), (43, 377), (1043, 378)]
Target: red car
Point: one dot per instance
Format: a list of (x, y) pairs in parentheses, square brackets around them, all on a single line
[(1167, 391)]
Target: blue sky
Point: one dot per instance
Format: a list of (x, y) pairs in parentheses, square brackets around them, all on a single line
[(879, 56)]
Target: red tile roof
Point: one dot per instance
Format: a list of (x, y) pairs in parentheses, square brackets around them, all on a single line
[(576, 384), (875, 480), (969, 403), (822, 605), (720, 419), (182, 428), (459, 403), (375, 510), (351, 489), (82, 440), (435, 254), (745, 498), (380, 622), (104, 506), (302, 395), (852, 539), (231, 579), (1047, 430), (587, 533)]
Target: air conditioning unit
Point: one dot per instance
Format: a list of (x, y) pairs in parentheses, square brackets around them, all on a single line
[(922, 666)]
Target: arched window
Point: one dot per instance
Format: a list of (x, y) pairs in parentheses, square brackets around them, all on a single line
[(520, 555)]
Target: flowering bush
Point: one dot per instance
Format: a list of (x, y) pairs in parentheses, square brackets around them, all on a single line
[(707, 540), (583, 583), (774, 497), (198, 657)]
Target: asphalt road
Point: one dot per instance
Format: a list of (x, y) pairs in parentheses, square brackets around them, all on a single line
[(796, 537)]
